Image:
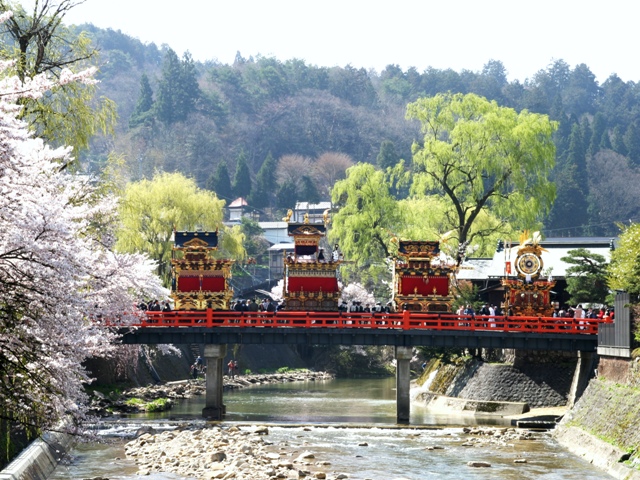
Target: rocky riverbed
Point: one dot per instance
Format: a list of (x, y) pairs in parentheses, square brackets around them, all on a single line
[(141, 399), (245, 453)]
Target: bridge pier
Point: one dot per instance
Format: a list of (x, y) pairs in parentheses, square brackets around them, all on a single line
[(214, 408), (581, 377), (403, 384)]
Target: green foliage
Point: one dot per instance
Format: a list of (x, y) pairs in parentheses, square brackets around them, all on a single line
[(151, 209), (158, 405), (483, 157), (178, 90), (220, 183), (287, 195), (387, 157), (263, 193), (254, 242), (465, 293), (143, 112), (587, 277), (624, 270), (367, 215), (242, 178)]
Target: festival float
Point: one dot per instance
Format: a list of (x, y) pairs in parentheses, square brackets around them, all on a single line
[(198, 279), (422, 278), (527, 293), (310, 274)]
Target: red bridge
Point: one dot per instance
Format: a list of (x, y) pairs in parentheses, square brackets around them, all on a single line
[(351, 320)]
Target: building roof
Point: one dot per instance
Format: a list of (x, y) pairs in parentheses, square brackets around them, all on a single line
[(273, 225), (282, 246), (238, 202), (312, 206), (555, 249)]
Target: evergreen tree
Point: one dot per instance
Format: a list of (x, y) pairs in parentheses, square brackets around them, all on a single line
[(262, 194), (168, 89), (190, 90), (599, 128), (242, 179), (617, 141), (308, 190), (142, 113), (287, 195), (220, 183), (577, 154), (387, 157), (632, 143)]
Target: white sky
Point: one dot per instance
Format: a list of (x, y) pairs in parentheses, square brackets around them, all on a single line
[(464, 34)]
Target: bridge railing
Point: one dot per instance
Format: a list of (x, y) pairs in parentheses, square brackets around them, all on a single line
[(350, 320)]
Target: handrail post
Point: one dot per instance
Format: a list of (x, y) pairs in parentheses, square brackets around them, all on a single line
[(209, 318)]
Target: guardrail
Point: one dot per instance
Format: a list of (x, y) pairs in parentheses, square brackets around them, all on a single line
[(350, 320)]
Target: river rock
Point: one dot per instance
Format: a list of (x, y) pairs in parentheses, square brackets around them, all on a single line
[(478, 464)]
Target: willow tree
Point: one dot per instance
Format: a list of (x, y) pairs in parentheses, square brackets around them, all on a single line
[(151, 209), (481, 156), (366, 220)]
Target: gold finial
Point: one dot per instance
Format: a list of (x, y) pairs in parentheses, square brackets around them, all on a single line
[(325, 217), (288, 216), (306, 218)]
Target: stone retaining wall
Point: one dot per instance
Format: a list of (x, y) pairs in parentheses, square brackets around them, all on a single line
[(603, 425)]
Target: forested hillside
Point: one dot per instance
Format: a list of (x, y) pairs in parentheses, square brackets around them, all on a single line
[(279, 131)]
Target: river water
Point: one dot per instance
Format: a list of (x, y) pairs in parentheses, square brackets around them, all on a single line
[(334, 419)]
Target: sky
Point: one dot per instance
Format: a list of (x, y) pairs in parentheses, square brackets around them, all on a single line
[(525, 35)]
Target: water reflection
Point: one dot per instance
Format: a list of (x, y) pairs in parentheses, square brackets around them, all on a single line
[(344, 401)]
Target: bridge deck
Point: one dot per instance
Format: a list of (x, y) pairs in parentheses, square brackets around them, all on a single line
[(347, 328)]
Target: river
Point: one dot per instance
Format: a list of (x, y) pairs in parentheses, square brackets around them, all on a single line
[(335, 419)]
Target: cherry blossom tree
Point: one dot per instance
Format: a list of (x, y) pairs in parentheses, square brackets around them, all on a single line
[(60, 277)]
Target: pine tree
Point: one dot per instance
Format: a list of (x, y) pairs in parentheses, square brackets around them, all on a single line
[(261, 196), (168, 89), (242, 179), (190, 90), (308, 190), (287, 195), (632, 142), (387, 156), (598, 129), (143, 111), (220, 183)]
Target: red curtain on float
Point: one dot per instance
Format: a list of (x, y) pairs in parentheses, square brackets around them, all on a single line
[(420, 286), (188, 284), (213, 284), (312, 284)]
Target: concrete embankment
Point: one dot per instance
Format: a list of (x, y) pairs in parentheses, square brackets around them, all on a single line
[(39, 459)]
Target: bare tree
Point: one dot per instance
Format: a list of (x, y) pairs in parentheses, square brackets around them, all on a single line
[(329, 168)]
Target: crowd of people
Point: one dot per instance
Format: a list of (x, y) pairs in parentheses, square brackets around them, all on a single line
[(251, 305), (357, 307), (599, 313), (155, 306)]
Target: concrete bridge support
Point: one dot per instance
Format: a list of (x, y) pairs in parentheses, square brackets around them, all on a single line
[(584, 369), (214, 408), (403, 384)]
